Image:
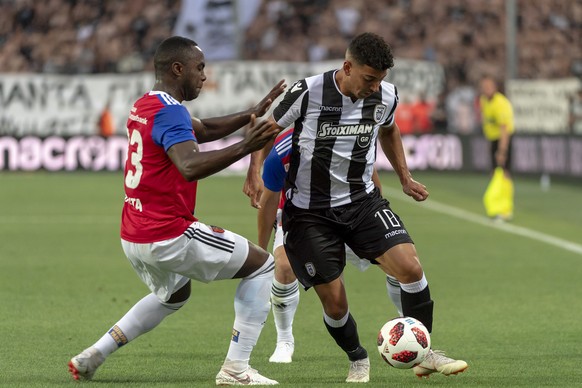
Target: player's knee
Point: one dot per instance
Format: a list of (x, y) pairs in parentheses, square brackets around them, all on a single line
[(412, 272), (266, 270), (283, 271), (180, 297)]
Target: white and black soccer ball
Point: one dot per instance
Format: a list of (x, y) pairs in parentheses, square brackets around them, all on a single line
[(403, 342)]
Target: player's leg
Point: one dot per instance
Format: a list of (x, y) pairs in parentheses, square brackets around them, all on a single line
[(251, 305), (141, 318), (284, 301), (394, 292), (392, 284), (402, 261), (343, 328), (317, 255)]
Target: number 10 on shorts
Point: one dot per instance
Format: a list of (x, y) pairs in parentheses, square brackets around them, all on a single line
[(388, 218)]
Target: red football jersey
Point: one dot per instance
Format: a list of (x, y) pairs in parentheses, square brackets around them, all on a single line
[(159, 202)]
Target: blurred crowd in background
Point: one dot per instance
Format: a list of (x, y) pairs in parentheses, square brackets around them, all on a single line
[(467, 37)]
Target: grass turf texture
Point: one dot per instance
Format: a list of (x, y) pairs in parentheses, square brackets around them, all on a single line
[(507, 304)]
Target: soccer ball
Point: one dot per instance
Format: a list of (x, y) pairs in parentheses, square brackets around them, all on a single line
[(403, 342)]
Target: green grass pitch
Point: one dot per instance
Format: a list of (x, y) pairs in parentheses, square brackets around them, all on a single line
[(507, 298)]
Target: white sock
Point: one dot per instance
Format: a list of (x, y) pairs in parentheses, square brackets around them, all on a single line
[(284, 302), (141, 318), (251, 308), (393, 287), (414, 287)]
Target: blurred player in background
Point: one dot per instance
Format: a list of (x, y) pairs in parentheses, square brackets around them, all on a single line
[(285, 289), (331, 199), (497, 117), (160, 235)]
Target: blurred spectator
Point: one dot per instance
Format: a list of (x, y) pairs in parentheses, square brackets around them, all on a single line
[(421, 115), (462, 110), (106, 122), (466, 37), (404, 116)]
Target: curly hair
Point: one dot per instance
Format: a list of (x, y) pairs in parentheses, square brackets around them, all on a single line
[(372, 50)]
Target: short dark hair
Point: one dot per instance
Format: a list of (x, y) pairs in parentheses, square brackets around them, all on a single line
[(372, 50), (173, 49)]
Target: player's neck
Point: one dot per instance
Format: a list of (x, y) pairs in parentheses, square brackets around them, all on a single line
[(340, 81), (160, 86)]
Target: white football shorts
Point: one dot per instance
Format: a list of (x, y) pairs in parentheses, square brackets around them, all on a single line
[(204, 253)]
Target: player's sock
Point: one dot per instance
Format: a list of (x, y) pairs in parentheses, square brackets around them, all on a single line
[(416, 301), (251, 307), (141, 318), (345, 333), (393, 287), (284, 302)]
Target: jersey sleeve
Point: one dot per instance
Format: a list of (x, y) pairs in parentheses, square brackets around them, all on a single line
[(393, 100), (289, 109), (274, 172), (172, 125)]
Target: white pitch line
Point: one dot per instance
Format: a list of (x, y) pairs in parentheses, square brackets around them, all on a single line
[(482, 220)]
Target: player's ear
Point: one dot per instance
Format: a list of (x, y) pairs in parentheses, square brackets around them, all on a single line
[(177, 68), (347, 67)]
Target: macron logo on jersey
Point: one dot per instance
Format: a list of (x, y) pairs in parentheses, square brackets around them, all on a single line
[(295, 87)]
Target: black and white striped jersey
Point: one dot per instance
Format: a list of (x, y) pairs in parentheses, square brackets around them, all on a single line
[(334, 141)]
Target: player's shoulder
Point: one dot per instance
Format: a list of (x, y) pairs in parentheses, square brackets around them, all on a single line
[(164, 98), (304, 84), (389, 87)]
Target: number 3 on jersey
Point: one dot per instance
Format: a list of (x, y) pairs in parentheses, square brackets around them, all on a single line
[(132, 178)]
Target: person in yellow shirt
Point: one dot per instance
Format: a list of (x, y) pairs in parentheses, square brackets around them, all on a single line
[(497, 116)]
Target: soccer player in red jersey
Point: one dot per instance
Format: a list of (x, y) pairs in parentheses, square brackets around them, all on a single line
[(160, 234)]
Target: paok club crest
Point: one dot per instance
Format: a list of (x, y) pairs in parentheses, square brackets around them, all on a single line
[(310, 268), (379, 113)]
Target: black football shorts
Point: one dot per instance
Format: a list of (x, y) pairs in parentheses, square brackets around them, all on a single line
[(315, 239)]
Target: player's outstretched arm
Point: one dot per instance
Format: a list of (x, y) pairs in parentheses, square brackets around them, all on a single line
[(391, 143), (195, 165), (218, 127)]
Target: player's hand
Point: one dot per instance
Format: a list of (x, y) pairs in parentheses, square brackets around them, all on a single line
[(253, 188), (415, 190), (263, 106), (259, 133)]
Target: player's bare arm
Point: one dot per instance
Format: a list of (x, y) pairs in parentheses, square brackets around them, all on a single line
[(391, 143), (253, 186), (267, 215), (195, 165), (218, 127)]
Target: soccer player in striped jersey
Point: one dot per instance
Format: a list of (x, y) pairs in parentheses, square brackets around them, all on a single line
[(160, 234), (285, 289), (338, 118)]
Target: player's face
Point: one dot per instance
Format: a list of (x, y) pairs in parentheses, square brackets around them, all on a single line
[(365, 80), (194, 75)]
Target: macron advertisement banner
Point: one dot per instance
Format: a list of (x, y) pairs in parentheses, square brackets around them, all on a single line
[(532, 154)]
